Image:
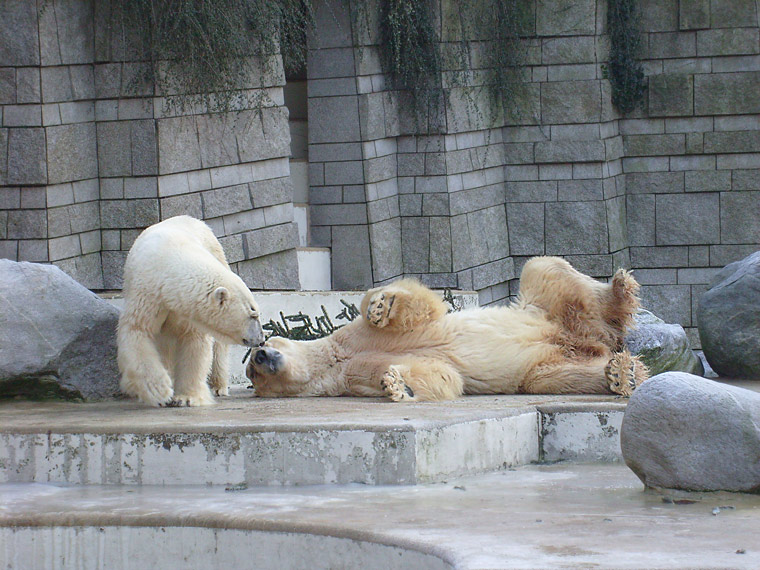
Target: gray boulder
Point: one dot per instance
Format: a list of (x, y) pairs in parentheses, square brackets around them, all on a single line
[(663, 347), (57, 338), (729, 319), (681, 431)]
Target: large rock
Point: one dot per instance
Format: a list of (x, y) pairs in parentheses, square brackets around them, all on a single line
[(663, 347), (681, 431), (57, 338), (729, 319)]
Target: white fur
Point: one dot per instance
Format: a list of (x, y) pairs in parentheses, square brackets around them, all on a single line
[(183, 306)]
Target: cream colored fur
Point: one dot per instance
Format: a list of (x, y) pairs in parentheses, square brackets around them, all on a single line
[(563, 335), (183, 307)]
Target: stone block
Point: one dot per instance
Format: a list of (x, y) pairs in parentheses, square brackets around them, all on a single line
[(110, 240), (187, 204), (375, 169), (269, 192), (415, 245), (672, 45), (410, 204), (640, 219), (739, 218), (570, 151), (571, 102), (701, 162), (701, 181), (351, 267), (27, 224), (143, 147), (493, 273), (435, 205), (564, 50), (331, 63), (730, 41), (656, 276), (475, 199), (727, 93), (440, 245), (732, 142), (555, 171), (114, 149), (579, 190), (7, 86), (338, 173), (687, 219), (35, 251), (268, 240), (19, 38), (64, 247), (338, 214), (90, 242), (746, 179), (526, 228), (271, 272), (26, 156), (529, 191), (671, 95), (616, 223), (33, 197), (576, 228), (735, 14), (178, 147), (58, 222), (224, 201), (22, 116), (9, 249), (654, 182), (335, 152), (84, 216), (658, 15), (128, 213), (565, 17), (333, 119), (72, 152), (694, 14), (654, 145), (414, 164), (672, 303)]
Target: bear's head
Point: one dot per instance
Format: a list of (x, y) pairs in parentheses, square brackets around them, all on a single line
[(235, 315), (279, 369)]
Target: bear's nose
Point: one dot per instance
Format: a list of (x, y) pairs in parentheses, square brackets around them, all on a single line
[(260, 357)]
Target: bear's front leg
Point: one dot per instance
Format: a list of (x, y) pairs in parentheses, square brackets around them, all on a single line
[(401, 306), (191, 369), (219, 378), (142, 374), (421, 379)]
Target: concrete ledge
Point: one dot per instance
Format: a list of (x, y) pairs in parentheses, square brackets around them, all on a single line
[(538, 516), (309, 441)]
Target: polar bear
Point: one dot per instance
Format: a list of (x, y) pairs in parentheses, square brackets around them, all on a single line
[(563, 335), (183, 306)]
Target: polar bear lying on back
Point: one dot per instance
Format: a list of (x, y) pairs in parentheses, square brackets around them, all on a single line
[(564, 335), (183, 306)]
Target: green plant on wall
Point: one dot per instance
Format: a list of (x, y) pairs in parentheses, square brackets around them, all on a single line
[(208, 50), (624, 69), (430, 47)]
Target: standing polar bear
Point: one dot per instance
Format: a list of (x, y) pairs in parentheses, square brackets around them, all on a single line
[(183, 306), (564, 335)]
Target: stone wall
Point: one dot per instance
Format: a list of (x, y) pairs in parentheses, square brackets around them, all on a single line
[(671, 190), (92, 154)]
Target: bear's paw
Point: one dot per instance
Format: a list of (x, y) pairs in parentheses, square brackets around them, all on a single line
[(625, 372), (394, 385)]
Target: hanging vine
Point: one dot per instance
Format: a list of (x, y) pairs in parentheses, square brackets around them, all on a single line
[(207, 50), (624, 70)]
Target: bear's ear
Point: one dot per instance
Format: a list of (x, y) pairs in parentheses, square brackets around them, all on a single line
[(221, 295)]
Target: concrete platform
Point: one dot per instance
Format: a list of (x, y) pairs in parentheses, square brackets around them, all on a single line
[(305, 441), (538, 516)]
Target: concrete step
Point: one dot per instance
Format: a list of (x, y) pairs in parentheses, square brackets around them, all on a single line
[(538, 516), (310, 441)]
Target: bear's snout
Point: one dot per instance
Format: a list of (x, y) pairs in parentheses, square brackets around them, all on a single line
[(268, 360)]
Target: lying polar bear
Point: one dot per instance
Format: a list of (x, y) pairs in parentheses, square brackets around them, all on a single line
[(563, 335)]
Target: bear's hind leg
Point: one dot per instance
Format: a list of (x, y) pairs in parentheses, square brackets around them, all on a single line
[(422, 380), (402, 305), (219, 378), (191, 369), (143, 376)]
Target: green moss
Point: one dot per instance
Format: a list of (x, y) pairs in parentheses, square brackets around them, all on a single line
[(624, 69), (40, 387)]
